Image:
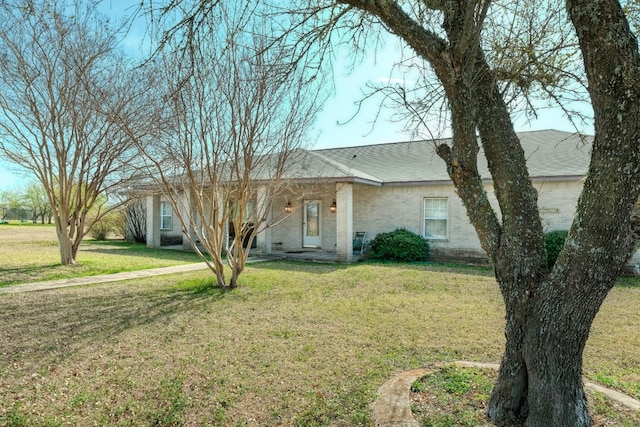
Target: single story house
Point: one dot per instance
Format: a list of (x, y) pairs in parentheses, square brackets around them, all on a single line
[(378, 188)]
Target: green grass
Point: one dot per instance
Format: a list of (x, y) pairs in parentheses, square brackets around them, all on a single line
[(30, 253), (295, 345), (452, 396), (457, 397)]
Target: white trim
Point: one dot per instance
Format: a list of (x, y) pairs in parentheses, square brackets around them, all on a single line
[(164, 215), (425, 218), (311, 241)]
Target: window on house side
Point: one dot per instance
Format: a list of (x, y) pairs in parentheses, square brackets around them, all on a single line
[(436, 218), (166, 216)]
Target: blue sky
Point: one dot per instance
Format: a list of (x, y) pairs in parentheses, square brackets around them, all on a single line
[(328, 132)]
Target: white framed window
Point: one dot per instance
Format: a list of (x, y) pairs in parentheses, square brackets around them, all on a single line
[(436, 218), (166, 216)]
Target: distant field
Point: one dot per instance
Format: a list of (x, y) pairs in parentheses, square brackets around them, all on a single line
[(30, 253)]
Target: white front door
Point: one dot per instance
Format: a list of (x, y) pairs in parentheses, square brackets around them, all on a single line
[(311, 237)]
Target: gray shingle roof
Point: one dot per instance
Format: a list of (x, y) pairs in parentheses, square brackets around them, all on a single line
[(550, 153)]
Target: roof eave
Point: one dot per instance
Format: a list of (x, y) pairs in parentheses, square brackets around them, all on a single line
[(334, 179)]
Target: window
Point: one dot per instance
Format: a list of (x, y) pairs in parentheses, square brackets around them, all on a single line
[(166, 216), (436, 214)]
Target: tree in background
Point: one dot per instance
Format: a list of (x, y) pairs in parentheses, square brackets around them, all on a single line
[(236, 118), (109, 225), (12, 204), (65, 92), (35, 197), (476, 65)]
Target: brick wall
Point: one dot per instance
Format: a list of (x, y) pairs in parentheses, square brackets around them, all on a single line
[(382, 209)]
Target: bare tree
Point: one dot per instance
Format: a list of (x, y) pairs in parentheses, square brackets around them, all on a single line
[(238, 119), (549, 312), (64, 85)]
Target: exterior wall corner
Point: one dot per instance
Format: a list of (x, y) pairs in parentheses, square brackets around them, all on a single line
[(344, 222)]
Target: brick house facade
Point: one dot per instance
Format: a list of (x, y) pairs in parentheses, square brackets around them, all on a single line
[(378, 188)]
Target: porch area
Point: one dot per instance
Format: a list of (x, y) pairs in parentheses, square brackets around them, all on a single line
[(309, 223), (303, 255), (310, 255)]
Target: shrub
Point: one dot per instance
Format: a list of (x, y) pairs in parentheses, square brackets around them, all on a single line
[(100, 230), (135, 219), (400, 245), (553, 243), (108, 224)]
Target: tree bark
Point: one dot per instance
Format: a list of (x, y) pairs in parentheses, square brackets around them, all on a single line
[(67, 252), (548, 313), (540, 377)]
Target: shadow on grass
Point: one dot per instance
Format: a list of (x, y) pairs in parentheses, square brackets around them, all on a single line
[(323, 268), (27, 270), (12, 276), (137, 249), (46, 327)]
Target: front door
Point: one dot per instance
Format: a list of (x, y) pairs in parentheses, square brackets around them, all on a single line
[(311, 224)]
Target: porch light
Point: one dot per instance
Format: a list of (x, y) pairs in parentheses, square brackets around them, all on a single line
[(288, 208), (333, 207)]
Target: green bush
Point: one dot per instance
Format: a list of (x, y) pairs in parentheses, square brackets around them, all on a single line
[(553, 243), (109, 224), (400, 245), (101, 230)]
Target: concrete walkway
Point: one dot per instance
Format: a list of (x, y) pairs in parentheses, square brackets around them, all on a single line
[(393, 406), (105, 278)]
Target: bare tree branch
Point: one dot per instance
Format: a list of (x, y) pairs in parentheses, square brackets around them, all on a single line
[(239, 114), (64, 83)]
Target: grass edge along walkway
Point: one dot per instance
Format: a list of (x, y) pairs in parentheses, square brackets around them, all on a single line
[(113, 277), (101, 278)]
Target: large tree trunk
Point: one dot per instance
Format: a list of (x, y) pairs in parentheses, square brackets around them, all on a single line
[(548, 313), (67, 251), (553, 341), (540, 379)]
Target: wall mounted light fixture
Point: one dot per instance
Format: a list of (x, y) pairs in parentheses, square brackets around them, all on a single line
[(288, 208), (333, 207)]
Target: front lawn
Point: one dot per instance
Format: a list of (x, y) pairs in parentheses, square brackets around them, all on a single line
[(30, 253), (294, 345)]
